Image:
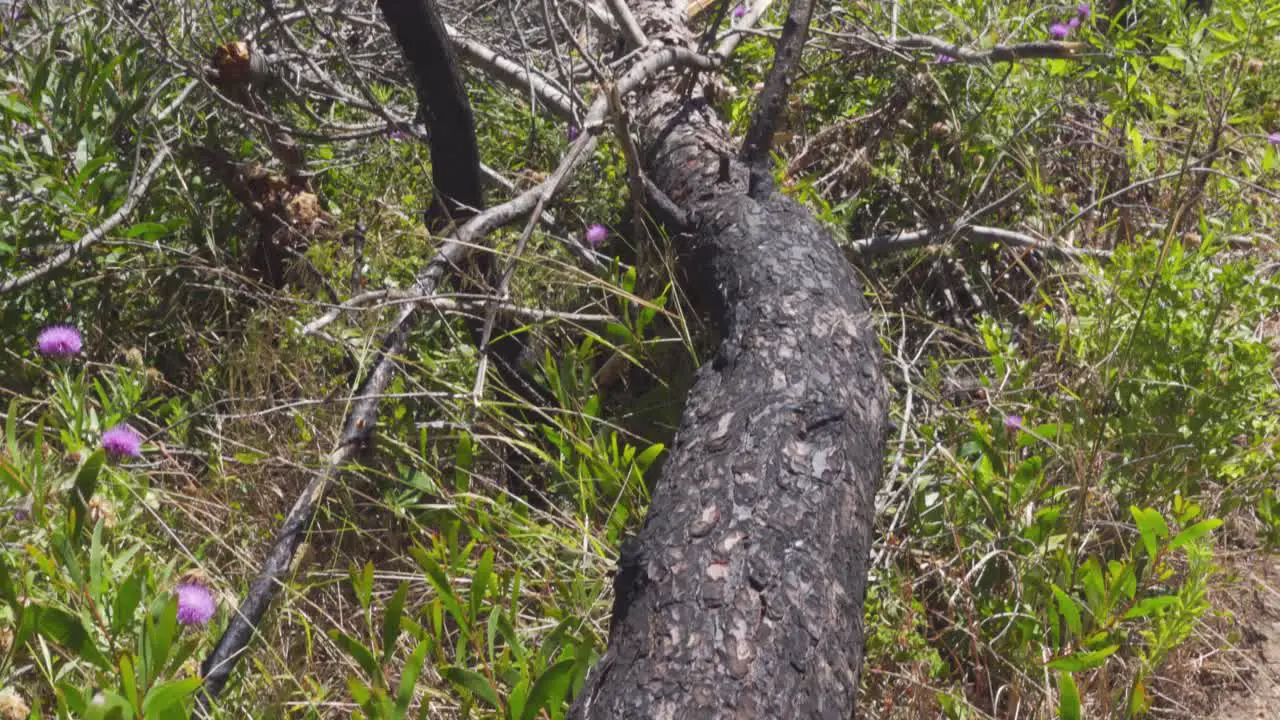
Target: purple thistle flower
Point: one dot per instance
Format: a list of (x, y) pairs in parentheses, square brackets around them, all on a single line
[(739, 11), (195, 604), (59, 341), (1013, 422), (596, 235), (122, 441), (1058, 31), (1274, 138), (573, 132), (1073, 23), (943, 59), (1084, 11)]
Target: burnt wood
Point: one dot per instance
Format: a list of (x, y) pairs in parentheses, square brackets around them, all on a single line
[(742, 594), (420, 32)]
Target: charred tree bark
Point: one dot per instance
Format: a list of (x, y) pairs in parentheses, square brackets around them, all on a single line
[(420, 32), (742, 595), (455, 155)]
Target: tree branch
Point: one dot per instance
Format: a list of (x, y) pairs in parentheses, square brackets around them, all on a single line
[(960, 53), (512, 74), (137, 191), (455, 156), (635, 36), (758, 142), (888, 244)]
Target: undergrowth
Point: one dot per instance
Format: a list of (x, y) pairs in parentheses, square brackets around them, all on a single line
[(1077, 436)]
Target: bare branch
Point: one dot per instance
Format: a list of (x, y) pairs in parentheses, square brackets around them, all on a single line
[(513, 75), (630, 28), (777, 86), (959, 53), (898, 242), (136, 193), (379, 299), (755, 10)]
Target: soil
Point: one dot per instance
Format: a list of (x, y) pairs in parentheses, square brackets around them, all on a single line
[(1257, 650)]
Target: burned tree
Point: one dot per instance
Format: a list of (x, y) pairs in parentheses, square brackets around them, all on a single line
[(742, 594)]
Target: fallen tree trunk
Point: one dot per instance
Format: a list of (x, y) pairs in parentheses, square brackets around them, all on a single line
[(742, 595)]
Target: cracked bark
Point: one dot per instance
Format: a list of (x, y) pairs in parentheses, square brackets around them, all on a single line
[(742, 595)]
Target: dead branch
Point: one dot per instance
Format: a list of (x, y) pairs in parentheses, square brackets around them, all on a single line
[(888, 244), (758, 142), (137, 191)]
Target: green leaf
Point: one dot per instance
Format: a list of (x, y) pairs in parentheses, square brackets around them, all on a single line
[(1083, 660), (8, 591), (86, 483), (1139, 704), (168, 695), (9, 476), (480, 581), (1135, 138), (360, 692), (646, 458), (444, 590), (13, 105), (70, 558), (619, 332), (72, 697), (362, 655), (25, 620), (97, 582), (549, 691), (501, 625), (66, 630), (1195, 532), (44, 562), (1124, 582), (1068, 698), (148, 231), (409, 677), (517, 696), (463, 458), (107, 705), (1150, 606), (128, 595), (129, 679), (1151, 525), (11, 433), (391, 620), (362, 583), (162, 625), (88, 170), (473, 682), (1053, 432), (1069, 609)]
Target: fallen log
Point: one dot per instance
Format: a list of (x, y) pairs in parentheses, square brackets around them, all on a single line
[(742, 595)]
